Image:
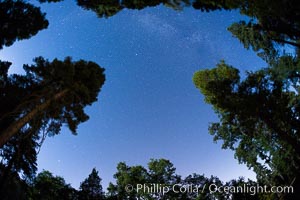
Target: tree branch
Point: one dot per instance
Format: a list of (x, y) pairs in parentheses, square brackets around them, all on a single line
[(16, 126)]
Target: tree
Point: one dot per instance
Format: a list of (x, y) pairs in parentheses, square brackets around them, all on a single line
[(90, 188), (249, 195), (128, 176), (203, 187), (259, 117), (162, 172), (279, 23), (137, 182), (38, 103), (265, 136), (270, 21), (48, 187), (142, 182), (14, 187), (19, 20), (108, 8), (267, 132), (53, 92), (19, 156)]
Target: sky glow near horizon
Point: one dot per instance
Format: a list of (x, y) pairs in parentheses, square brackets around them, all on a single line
[(148, 106)]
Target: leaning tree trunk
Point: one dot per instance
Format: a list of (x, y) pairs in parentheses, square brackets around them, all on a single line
[(17, 125)]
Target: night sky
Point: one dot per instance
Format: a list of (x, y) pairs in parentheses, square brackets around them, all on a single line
[(148, 106)]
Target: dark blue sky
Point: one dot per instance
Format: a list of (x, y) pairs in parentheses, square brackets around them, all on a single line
[(148, 107)]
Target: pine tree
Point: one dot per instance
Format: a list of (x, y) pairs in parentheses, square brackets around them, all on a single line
[(91, 188), (19, 20)]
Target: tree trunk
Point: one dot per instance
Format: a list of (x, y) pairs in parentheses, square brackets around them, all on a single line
[(16, 126)]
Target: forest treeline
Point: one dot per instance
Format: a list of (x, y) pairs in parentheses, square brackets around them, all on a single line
[(158, 181), (259, 115)]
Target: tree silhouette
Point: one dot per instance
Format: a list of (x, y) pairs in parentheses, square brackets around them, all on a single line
[(45, 186), (267, 130), (258, 117), (203, 183), (160, 172), (38, 103), (54, 92), (280, 21), (19, 20), (90, 188), (125, 176)]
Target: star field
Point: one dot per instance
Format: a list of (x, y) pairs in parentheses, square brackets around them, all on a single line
[(148, 107)]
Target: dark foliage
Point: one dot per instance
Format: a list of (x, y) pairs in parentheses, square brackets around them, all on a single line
[(19, 20)]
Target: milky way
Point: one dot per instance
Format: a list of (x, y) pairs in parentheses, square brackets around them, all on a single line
[(148, 107)]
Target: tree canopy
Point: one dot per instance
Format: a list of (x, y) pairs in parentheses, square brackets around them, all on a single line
[(138, 182), (45, 186), (160, 171), (277, 20), (90, 188), (38, 103), (19, 20), (51, 94), (259, 115)]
